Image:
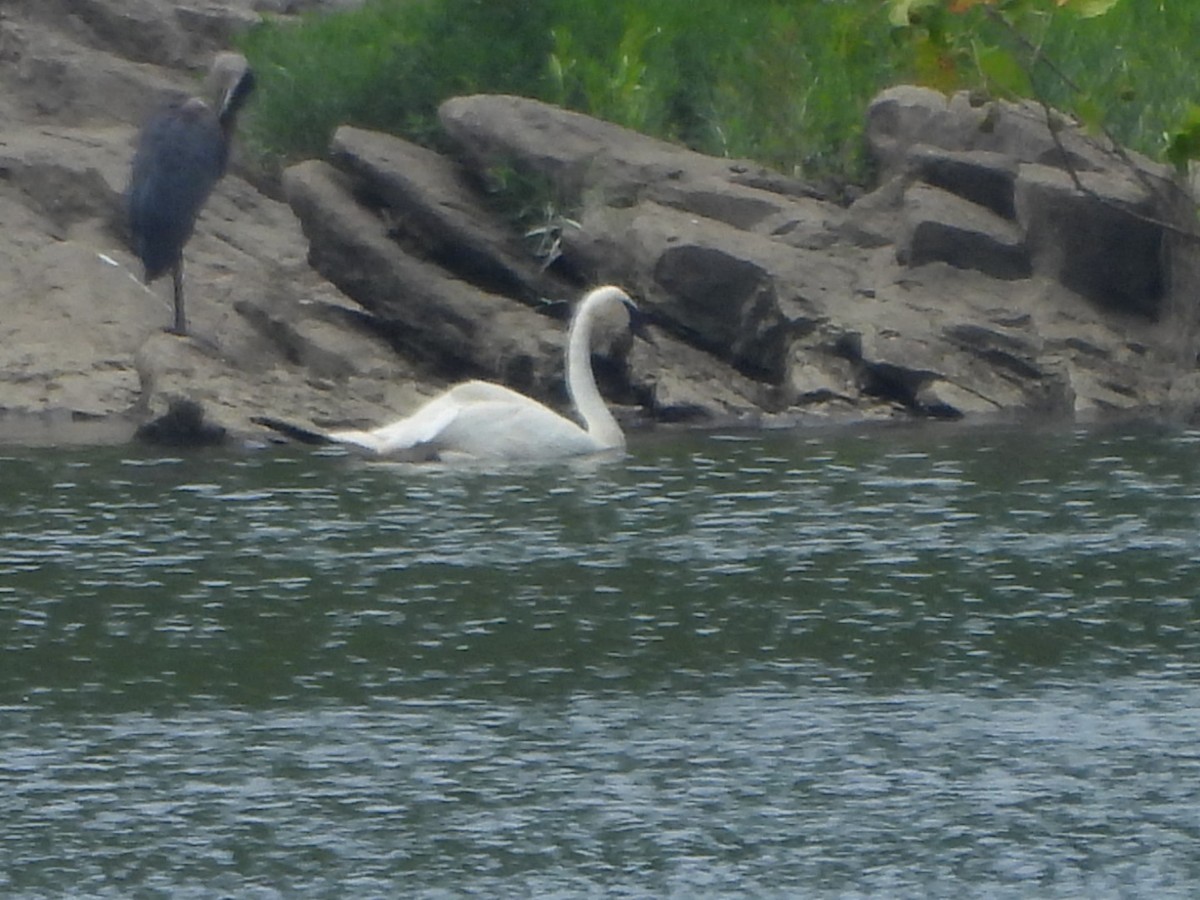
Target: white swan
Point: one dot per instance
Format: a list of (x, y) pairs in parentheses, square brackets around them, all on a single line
[(482, 420)]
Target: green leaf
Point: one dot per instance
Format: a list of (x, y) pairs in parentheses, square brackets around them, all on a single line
[(1003, 72), (1090, 112), (1089, 9), (902, 12), (1184, 143), (936, 68)]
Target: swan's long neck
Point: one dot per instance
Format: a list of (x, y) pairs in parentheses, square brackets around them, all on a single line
[(581, 382)]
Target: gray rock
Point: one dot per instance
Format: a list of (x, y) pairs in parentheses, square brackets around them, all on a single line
[(941, 227), (432, 209), (587, 157), (182, 425), (710, 284), (876, 218), (67, 176), (981, 177), (905, 116), (462, 331), (453, 327), (1100, 244), (576, 151)]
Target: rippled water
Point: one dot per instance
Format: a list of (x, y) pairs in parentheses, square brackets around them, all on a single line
[(948, 662)]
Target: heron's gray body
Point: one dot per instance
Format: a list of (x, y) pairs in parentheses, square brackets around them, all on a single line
[(181, 154)]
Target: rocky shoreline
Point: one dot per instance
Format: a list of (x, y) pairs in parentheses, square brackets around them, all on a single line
[(1000, 268)]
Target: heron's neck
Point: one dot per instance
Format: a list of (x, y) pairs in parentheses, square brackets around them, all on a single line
[(231, 103), (581, 383)]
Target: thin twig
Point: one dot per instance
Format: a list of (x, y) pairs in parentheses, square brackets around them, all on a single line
[(1115, 148)]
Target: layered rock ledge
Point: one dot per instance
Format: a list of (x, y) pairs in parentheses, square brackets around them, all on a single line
[(1003, 265)]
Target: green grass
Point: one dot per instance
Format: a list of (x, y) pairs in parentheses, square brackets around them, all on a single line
[(1131, 71), (781, 81), (784, 82), (1139, 67)]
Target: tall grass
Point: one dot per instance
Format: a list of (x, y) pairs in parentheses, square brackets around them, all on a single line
[(1138, 67), (785, 82), (387, 65), (781, 81)]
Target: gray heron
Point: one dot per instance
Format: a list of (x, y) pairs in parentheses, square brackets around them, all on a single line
[(181, 154)]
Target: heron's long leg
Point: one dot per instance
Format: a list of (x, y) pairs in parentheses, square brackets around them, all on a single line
[(180, 326)]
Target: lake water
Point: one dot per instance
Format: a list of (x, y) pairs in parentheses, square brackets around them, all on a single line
[(894, 662)]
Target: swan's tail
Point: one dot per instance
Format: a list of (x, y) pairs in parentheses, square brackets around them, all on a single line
[(293, 431)]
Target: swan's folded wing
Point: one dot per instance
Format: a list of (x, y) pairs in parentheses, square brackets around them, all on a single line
[(513, 427), (476, 419), (420, 429), (361, 440), (473, 418), (426, 426)]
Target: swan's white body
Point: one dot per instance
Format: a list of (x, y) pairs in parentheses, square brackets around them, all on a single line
[(481, 420)]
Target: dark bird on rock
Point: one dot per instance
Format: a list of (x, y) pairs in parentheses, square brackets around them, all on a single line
[(181, 154)]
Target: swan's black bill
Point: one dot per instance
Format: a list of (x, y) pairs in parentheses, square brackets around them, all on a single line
[(639, 324)]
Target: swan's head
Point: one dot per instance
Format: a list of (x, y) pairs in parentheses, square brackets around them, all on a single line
[(610, 297)]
